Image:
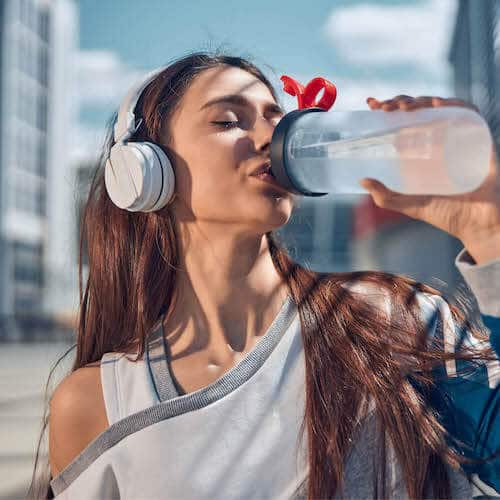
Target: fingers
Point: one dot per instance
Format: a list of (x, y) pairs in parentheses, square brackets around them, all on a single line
[(388, 199), (408, 103), (425, 101), (453, 101), (404, 102)]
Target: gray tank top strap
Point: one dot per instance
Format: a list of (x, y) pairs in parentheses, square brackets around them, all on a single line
[(158, 361)]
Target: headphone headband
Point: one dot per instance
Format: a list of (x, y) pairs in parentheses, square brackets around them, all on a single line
[(125, 124), (139, 176)]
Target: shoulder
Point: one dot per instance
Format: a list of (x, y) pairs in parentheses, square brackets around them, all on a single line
[(77, 388), (77, 415)]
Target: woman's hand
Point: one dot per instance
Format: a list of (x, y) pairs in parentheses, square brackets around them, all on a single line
[(473, 217)]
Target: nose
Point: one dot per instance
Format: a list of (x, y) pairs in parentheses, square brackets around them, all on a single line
[(263, 133)]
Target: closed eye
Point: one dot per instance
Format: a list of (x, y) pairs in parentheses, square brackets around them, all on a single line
[(226, 124)]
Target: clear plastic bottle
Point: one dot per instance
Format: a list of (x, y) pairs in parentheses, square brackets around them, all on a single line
[(442, 150)]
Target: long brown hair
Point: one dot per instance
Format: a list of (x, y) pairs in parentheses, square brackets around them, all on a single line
[(353, 353)]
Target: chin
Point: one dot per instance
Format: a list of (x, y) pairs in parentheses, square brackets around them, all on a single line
[(272, 217)]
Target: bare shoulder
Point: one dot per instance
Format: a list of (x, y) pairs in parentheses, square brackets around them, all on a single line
[(77, 415)]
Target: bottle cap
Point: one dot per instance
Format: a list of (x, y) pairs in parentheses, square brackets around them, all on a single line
[(307, 95)]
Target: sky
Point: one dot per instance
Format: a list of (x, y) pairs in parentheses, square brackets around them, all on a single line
[(378, 48)]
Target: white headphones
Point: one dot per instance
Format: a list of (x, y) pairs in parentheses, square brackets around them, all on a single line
[(138, 175)]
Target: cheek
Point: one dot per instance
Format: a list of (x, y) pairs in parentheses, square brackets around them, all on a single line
[(216, 151), (209, 168), (216, 155)]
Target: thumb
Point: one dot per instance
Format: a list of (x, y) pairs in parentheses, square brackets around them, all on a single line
[(380, 193)]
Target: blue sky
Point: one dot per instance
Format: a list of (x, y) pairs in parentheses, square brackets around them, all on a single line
[(380, 47), (162, 29)]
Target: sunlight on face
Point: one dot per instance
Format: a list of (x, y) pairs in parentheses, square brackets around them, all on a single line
[(213, 161)]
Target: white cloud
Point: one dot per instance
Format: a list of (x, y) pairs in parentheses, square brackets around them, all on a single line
[(352, 93), (87, 144), (103, 78), (375, 35)]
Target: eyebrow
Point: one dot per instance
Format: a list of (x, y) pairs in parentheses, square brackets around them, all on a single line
[(239, 100)]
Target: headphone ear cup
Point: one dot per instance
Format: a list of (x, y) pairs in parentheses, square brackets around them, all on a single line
[(168, 178), (139, 177)]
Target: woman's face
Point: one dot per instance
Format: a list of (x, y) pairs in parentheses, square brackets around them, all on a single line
[(213, 161)]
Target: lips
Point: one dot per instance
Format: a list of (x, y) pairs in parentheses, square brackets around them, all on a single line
[(263, 168)]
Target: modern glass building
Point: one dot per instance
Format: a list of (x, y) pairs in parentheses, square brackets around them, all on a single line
[(475, 58), (33, 112)]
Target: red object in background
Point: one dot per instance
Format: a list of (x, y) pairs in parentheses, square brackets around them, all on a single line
[(306, 95), (368, 218)]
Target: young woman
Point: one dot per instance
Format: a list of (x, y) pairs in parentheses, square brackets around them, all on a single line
[(209, 364)]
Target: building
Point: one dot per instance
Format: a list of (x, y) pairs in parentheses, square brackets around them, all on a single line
[(475, 58), (319, 231), (37, 41), (391, 242), (61, 294)]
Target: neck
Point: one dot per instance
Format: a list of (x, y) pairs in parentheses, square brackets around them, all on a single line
[(227, 293)]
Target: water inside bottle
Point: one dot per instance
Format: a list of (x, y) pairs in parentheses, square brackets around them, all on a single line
[(424, 158)]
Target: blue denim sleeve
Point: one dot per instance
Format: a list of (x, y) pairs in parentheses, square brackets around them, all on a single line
[(467, 395)]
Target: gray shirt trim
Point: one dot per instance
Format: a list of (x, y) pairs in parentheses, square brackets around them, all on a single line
[(224, 385), (157, 359)]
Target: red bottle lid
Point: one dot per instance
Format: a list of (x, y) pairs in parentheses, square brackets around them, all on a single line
[(307, 95)]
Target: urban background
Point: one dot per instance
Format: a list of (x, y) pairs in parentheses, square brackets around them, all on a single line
[(64, 67)]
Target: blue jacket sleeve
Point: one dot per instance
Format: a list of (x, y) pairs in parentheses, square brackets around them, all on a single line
[(468, 396)]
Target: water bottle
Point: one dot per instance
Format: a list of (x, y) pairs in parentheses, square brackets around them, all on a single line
[(442, 150)]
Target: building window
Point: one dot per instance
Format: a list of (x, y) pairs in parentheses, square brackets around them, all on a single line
[(19, 109), (29, 194), (41, 198), (23, 55), (84, 174), (43, 70), (42, 111), (43, 25), (33, 17), (298, 233), (24, 11), (342, 236), (32, 60), (32, 109), (28, 275), (28, 262), (42, 157)]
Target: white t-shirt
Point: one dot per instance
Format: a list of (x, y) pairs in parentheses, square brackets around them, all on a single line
[(236, 438)]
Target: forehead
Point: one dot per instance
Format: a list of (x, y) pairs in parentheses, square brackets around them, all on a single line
[(224, 80)]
